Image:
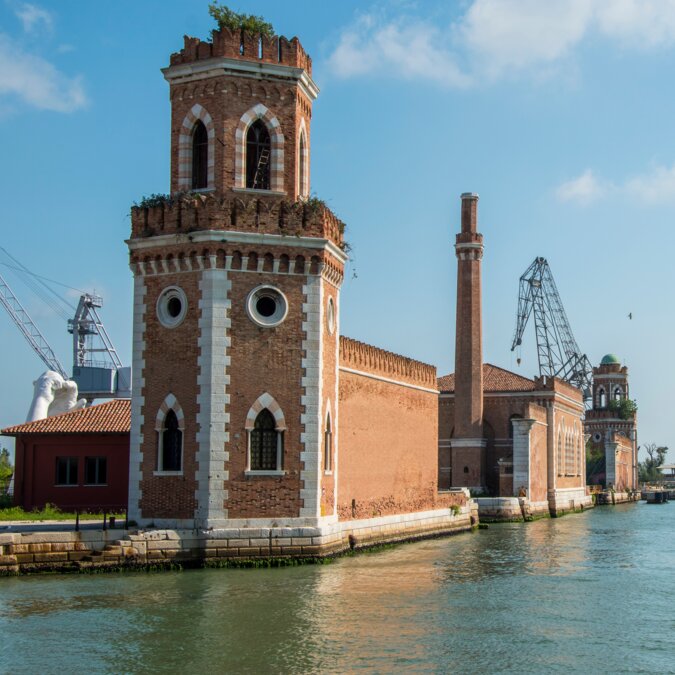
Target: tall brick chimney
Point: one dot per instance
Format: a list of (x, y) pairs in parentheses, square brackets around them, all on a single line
[(468, 445)]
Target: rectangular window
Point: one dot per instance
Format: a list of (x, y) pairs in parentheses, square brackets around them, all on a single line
[(66, 471), (95, 470)]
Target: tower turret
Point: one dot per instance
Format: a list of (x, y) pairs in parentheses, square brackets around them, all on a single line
[(236, 300), (241, 107)]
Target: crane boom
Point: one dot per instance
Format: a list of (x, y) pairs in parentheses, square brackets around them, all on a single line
[(557, 350), (30, 331)]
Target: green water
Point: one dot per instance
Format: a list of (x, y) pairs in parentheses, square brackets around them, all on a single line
[(593, 592)]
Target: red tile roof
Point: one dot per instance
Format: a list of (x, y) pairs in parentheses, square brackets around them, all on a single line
[(112, 417), (494, 379)]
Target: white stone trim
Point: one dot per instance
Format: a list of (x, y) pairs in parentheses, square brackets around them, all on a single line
[(220, 66), (312, 380), (521, 453), (387, 380), (197, 113), (213, 398), (137, 398), (302, 163), (265, 401), (259, 112), (468, 442), (230, 237), (169, 403)]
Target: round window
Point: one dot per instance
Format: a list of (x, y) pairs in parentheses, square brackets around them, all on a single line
[(267, 306), (597, 437), (330, 316), (171, 306)]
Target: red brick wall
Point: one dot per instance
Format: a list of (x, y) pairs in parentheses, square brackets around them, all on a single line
[(265, 360), (388, 448), (35, 470), (538, 454), (171, 367), (330, 398)]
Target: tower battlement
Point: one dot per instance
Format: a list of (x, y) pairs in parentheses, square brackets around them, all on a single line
[(361, 356), (244, 46), (215, 212)]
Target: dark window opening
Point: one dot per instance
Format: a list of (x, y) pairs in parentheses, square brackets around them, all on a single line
[(66, 471), (328, 446), (200, 157), (617, 394), (264, 441), (172, 443), (173, 307), (466, 469), (258, 157), (303, 167), (95, 470), (266, 306)]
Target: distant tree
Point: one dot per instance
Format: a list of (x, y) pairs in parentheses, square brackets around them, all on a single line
[(648, 469), (6, 470)]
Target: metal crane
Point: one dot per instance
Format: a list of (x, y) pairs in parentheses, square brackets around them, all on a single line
[(558, 352), (97, 368), (30, 331)]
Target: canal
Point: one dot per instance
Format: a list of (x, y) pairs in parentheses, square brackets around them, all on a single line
[(587, 592)]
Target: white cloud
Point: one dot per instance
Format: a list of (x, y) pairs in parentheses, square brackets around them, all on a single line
[(656, 186), (639, 23), (36, 81), (494, 38), (503, 35), (32, 17), (400, 50), (584, 189)]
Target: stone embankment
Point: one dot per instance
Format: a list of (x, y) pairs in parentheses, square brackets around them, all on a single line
[(610, 497), (94, 550)]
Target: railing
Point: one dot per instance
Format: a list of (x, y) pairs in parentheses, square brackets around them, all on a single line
[(109, 511)]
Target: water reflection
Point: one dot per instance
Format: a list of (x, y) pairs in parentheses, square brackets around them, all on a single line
[(561, 595)]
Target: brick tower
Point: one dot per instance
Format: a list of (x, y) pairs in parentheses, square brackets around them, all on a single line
[(468, 444), (609, 433), (236, 300)]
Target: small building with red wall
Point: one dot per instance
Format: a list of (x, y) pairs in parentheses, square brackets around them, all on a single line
[(76, 460)]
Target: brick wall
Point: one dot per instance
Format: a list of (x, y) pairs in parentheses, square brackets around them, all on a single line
[(388, 435), (170, 368), (265, 360)]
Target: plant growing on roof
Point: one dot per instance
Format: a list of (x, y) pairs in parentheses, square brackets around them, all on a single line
[(625, 408), (250, 23)]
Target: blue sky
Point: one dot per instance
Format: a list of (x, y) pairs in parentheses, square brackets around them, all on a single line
[(559, 114)]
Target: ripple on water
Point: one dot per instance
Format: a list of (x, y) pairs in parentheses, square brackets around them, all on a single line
[(585, 592)]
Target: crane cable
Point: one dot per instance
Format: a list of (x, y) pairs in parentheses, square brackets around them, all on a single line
[(36, 283)]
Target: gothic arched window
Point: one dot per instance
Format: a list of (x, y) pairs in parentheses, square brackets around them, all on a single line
[(266, 443), (328, 446), (200, 156), (617, 394), (602, 398), (258, 156), (302, 161), (171, 450)]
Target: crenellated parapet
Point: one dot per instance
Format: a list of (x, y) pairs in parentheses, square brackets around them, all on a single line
[(244, 46), (363, 357), (187, 214)]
